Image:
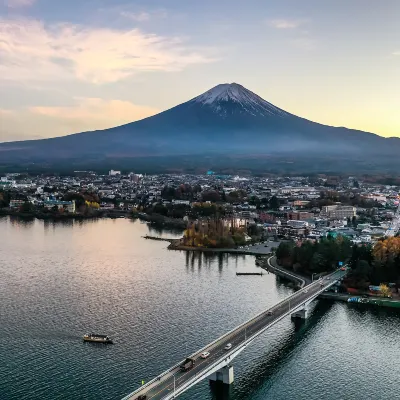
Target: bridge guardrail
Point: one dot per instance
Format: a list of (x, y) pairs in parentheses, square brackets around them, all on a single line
[(251, 338), (226, 335), (210, 345)]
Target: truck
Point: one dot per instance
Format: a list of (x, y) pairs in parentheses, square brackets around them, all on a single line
[(187, 364)]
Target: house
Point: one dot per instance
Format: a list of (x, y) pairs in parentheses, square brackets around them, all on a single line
[(16, 203), (65, 205)]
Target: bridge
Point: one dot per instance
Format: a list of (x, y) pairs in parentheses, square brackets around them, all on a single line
[(217, 366)]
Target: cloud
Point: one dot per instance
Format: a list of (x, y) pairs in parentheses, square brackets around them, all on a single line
[(396, 53), (140, 17), (4, 112), (304, 43), (86, 114), (19, 3), (143, 16), (99, 112), (286, 23), (31, 51)]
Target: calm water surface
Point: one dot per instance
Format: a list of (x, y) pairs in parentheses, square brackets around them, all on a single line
[(60, 280)]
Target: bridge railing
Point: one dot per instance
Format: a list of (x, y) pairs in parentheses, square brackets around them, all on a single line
[(211, 367), (253, 319), (211, 345)]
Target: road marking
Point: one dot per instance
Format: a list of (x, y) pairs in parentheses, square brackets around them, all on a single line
[(297, 297)]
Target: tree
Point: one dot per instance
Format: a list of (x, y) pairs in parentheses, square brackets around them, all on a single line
[(26, 207), (211, 195), (284, 250), (274, 203), (385, 290)]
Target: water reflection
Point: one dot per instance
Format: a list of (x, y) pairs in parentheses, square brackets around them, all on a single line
[(26, 222), (156, 230), (209, 258)]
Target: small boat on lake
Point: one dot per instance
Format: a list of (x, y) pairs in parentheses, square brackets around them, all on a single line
[(94, 337)]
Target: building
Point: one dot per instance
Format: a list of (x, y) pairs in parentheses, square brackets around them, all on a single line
[(339, 211), (297, 224), (16, 203), (299, 216), (114, 173), (65, 205)]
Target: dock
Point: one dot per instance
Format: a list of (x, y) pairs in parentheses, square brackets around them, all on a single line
[(158, 238), (249, 273)]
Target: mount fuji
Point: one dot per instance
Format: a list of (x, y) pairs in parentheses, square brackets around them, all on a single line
[(228, 126)]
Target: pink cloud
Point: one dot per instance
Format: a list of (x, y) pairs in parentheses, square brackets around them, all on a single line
[(86, 114), (98, 112), (32, 51)]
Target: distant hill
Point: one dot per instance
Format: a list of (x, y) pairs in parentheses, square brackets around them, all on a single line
[(227, 127)]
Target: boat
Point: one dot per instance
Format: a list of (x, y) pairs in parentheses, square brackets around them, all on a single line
[(93, 337)]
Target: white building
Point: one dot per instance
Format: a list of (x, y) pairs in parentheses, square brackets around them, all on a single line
[(114, 173), (338, 211), (297, 224)]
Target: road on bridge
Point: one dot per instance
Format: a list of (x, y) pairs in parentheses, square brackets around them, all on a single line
[(166, 384)]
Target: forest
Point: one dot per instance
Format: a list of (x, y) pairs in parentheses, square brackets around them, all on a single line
[(370, 265)]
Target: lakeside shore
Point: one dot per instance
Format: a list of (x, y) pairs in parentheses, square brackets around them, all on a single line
[(269, 264), (63, 216)]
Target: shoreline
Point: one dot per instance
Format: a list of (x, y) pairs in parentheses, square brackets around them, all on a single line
[(344, 297), (61, 216), (174, 246)]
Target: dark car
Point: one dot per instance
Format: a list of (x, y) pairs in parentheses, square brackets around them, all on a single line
[(142, 397)]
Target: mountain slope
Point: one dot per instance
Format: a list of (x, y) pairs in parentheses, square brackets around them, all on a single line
[(226, 120)]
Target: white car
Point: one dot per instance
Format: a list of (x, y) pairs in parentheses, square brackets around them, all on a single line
[(205, 354), (228, 346), (305, 291)]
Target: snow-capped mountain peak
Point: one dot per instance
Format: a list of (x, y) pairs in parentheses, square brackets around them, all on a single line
[(245, 101)]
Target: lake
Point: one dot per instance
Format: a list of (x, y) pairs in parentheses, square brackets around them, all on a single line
[(60, 280)]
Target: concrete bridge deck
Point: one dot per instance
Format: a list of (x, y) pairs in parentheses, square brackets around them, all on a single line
[(173, 382)]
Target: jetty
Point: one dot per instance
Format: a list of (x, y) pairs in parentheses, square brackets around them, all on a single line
[(249, 273), (158, 238)]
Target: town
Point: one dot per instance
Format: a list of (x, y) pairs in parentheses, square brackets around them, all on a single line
[(283, 207)]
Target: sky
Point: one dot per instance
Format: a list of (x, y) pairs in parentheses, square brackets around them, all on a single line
[(73, 66)]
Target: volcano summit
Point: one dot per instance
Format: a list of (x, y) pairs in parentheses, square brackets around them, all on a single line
[(221, 126)]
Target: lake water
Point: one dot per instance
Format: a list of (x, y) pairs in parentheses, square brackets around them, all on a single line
[(60, 280)]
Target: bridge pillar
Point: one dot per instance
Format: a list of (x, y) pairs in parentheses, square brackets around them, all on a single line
[(224, 375), (301, 314)]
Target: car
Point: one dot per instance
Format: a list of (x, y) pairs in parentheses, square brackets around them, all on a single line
[(228, 346), (269, 313), (205, 354), (305, 291), (327, 278), (142, 397), (343, 269), (322, 283)]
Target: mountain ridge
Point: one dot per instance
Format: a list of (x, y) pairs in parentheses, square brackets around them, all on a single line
[(226, 120)]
